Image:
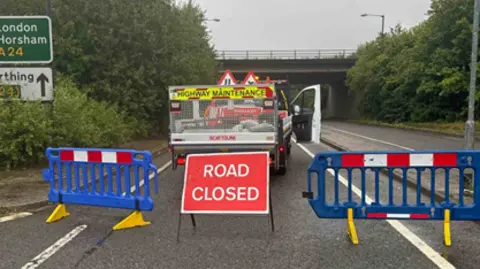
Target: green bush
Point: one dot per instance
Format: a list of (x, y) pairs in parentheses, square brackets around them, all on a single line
[(123, 56), (82, 122), (24, 132), (27, 128)]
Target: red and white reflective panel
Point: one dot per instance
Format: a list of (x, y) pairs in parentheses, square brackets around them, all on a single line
[(399, 159), (96, 156), (396, 216)]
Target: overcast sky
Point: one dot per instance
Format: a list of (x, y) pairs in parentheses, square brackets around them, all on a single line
[(305, 24)]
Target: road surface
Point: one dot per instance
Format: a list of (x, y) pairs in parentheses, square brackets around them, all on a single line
[(399, 138), (301, 240)]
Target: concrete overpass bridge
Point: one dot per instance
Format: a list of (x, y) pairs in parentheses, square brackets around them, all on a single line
[(324, 66)]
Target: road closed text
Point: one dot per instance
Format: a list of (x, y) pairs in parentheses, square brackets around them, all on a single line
[(220, 171), (232, 182), (229, 193)]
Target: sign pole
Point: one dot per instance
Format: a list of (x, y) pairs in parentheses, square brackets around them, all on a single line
[(48, 8), (470, 123), (179, 226), (270, 218)]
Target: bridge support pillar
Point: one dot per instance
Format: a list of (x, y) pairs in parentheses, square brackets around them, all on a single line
[(340, 103)]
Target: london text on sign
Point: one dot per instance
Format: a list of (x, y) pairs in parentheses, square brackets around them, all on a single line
[(25, 39)]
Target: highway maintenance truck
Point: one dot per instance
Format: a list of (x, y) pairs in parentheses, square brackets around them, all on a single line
[(237, 118)]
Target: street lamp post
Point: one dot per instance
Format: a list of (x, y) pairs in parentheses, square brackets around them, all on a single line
[(214, 20), (470, 123), (376, 15)]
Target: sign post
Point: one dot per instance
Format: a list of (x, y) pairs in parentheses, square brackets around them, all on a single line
[(226, 183), (26, 40)]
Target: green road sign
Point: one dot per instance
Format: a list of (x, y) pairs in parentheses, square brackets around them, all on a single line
[(25, 39)]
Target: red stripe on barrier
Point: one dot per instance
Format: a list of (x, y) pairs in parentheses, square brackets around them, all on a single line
[(402, 159), (377, 215), (66, 155), (179, 90), (419, 216), (239, 88), (202, 89), (194, 98), (444, 159), (124, 157), (352, 160), (95, 156)]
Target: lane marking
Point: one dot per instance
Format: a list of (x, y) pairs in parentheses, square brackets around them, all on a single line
[(47, 253), (428, 251), (371, 139), (452, 138), (26, 214), (161, 169), (15, 216)]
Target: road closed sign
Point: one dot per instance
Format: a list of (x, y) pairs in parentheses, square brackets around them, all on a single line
[(226, 183)]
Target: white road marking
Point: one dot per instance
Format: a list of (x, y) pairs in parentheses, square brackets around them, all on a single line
[(428, 251), (26, 214), (453, 138), (371, 139), (15, 216), (42, 257), (161, 169), (47, 253)]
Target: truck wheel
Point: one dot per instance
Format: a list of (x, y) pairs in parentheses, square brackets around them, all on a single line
[(283, 169)]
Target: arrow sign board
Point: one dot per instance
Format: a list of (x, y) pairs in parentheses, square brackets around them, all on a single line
[(227, 79), (250, 79), (25, 39), (26, 83)]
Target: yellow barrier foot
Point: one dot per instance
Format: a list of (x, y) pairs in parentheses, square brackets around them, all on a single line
[(446, 228), (133, 220), (351, 231), (59, 213)]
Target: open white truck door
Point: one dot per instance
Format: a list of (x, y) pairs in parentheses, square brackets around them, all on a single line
[(306, 111)]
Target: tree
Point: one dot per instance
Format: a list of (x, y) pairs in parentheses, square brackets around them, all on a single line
[(420, 74), (122, 55)]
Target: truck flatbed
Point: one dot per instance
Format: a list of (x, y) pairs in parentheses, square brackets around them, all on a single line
[(207, 119)]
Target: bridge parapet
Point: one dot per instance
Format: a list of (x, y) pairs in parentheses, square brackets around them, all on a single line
[(285, 54)]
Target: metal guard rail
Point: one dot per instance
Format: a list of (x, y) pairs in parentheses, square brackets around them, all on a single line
[(285, 54)]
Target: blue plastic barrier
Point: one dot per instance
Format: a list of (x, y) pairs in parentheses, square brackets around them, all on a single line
[(333, 162), (83, 172)]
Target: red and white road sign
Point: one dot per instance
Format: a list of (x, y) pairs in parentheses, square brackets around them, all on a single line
[(223, 183), (227, 79), (250, 79)]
